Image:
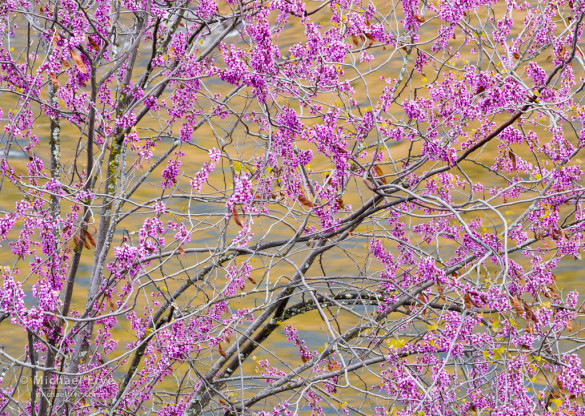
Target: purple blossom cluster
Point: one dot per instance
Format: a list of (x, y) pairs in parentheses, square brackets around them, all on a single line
[(392, 229)]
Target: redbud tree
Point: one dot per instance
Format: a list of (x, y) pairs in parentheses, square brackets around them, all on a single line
[(289, 207)]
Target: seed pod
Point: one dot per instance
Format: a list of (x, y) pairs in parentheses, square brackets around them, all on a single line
[(221, 351), (93, 44), (237, 218), (441, 290), (560, 383), (78, 62), (516, 304), (370, 39), (553, 395), (529, 313), (468, 301), (303, 200), (84, 240), (90, 238), (380, 174), (54, 79), (76, 242), (512, 159), (55, 39), (333, 366)]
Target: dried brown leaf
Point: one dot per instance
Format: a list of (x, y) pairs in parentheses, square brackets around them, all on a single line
[(182, 252)]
